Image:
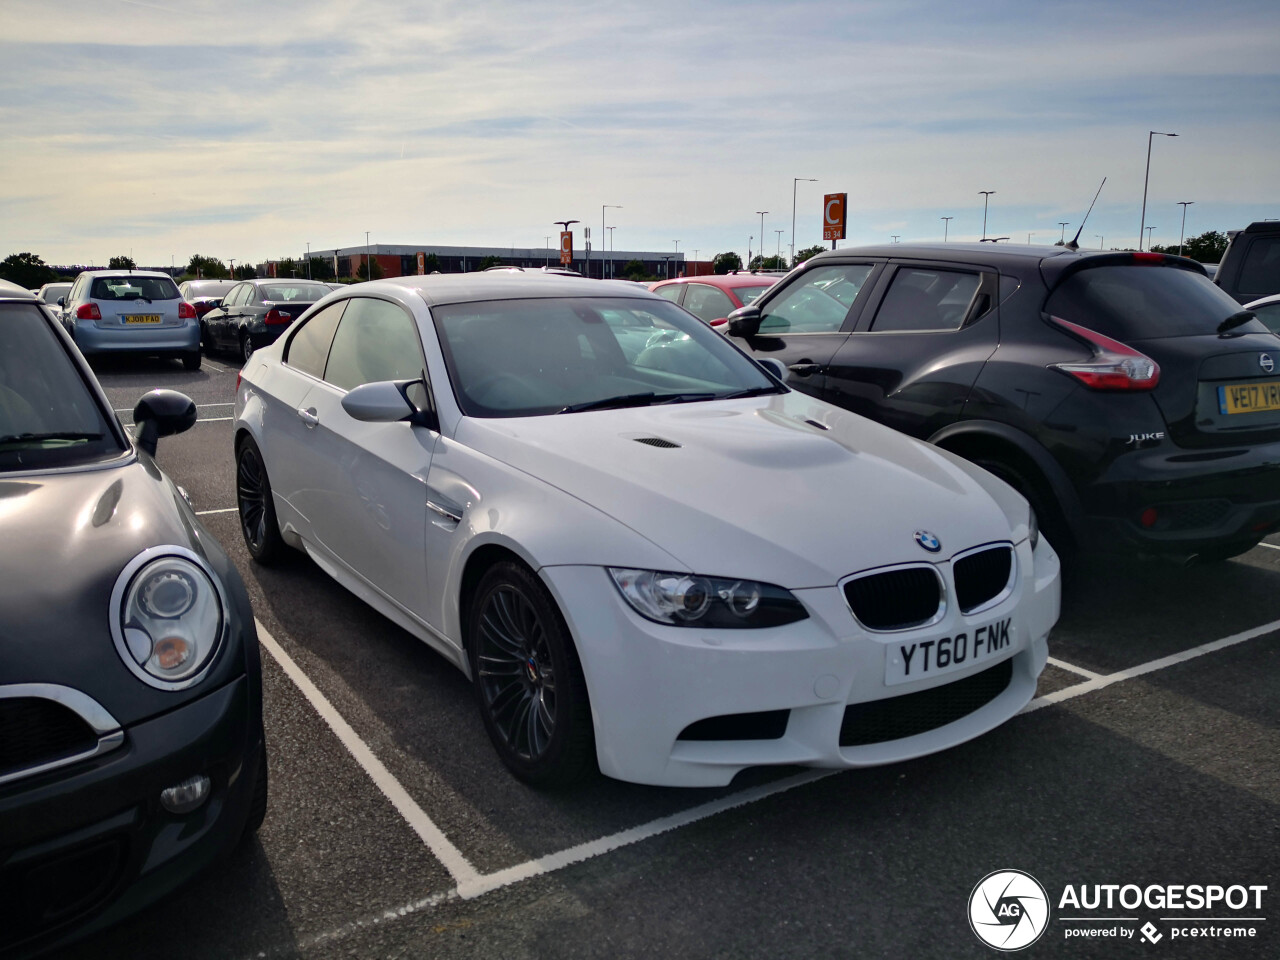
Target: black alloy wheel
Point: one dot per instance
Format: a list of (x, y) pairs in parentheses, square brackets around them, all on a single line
[(257, 510), (246, 346), (532, 694), (1053, 526)]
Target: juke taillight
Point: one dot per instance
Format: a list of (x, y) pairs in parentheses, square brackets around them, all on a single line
[(1114, 366)]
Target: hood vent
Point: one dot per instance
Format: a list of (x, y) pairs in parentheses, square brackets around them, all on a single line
[(657, 442)]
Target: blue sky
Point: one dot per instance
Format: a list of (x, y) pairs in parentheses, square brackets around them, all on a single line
[(247, 130)]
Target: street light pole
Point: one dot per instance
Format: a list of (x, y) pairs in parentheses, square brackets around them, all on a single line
[(946, 226), (565, 224), (778, 255), (1063, 224), (368, 258), (603, 230), (986, 195), (677, 256), (1101, 242), (1147, 179), (308, 259), (762, 213), (611, 229), (548, 239), (895, 236), (1183, 232), (794, 182), (1149, 229)]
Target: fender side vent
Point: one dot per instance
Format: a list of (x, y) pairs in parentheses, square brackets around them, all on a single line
[(657, 442), (815, 423)]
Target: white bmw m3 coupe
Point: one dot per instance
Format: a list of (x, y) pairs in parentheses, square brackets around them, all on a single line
[(647, 553)]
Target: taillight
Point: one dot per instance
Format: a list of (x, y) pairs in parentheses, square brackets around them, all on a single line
[(88, 311), (277, 316), (1148, 257), (186, 311), (1114, 366)]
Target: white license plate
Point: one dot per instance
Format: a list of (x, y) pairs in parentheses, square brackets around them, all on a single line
[(920, 659), (143, 318)]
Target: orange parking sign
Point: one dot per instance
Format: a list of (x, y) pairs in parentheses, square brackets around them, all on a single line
[(566, 247), (833, 216), (422, 263)]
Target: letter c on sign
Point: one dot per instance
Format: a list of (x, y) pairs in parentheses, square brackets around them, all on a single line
[(833, 202)]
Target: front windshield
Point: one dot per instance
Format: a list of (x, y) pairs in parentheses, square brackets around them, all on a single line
[(48, 417), (521, 358)]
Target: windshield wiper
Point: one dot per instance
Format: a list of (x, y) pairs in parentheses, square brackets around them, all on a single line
[(753, 392), (636, 400), (40, 437), (1236, 320)]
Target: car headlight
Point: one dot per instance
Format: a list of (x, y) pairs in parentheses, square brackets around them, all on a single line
[(168, 617), (684, 600), (1033, 528)]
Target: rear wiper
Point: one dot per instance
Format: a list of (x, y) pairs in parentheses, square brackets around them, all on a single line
[(40, 437), (1236, 320), (636, 400), (753, 392)]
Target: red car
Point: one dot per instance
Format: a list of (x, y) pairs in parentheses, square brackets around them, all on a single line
[(713, 297)]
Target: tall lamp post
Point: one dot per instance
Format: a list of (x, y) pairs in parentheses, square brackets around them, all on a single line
[(1183, 232), (1149, 229), (548, 239), (1101, 242), (794, 182), (946, 226), (895, 236), (778, 254), (1063, 224), (986, 195), (762, 213), (611, 229), (1147, 179), (368, 258), (308, 259), (564, 225), (677, 256), (603, 230)]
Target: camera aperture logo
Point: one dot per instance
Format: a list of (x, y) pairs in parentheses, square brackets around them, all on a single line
[(1008, 910)]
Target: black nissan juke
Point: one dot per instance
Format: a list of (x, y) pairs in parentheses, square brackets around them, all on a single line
[(131, 739), (1132, 402)]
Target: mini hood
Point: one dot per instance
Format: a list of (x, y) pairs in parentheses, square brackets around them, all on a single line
[(784, 489)]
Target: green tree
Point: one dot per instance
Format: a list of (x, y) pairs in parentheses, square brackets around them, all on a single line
[(634, 270), (245, 272), (289, 267), (26, 270), (209, 268), (431, 264), (121, 263), (363, 271), (768, 263), (724, 262), (321, 268), (1206, 248), (807, 252)]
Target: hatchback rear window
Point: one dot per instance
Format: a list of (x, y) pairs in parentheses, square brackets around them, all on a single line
[(1145, 303), (133, 288)]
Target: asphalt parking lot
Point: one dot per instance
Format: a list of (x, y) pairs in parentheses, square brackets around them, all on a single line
[(1151, 756)]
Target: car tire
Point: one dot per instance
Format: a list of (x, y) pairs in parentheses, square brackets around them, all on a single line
[(206, 341), (1048, 514), (246, 347), (258, 802), (528, 679), (257, 510), (191, 361)]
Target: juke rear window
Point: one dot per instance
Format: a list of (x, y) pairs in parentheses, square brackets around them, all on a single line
[(1144, 303)]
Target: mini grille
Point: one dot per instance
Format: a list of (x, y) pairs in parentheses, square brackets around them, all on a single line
[(58, 889), (981, 576), (913, 713), (657, 442), (35, 731), (895, 599)]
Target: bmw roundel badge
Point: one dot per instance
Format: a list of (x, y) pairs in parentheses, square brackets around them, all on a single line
[(928, 541), (1266, 363)]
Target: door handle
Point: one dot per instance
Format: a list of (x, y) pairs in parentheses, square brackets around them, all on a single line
[(805, 368), (308, 417)]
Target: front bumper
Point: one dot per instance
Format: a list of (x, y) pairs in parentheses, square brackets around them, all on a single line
[(649, 682), (100, 337), (86, 845)]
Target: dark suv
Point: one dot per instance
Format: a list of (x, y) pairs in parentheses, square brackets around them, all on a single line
[(1128, 398), (1250, 267)]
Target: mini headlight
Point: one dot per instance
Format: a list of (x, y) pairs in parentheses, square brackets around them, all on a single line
[(710, 602), (168, 615)]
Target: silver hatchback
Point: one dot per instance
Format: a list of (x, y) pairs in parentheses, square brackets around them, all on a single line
[(132, 311)]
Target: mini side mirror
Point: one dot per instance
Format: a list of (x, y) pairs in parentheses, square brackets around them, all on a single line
[(745, 321), (162, 413)]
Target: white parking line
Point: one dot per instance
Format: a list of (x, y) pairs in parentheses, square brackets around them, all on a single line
[(205, 513), (210, 363), (451, 857), (1072, 668), (1270, 546), (471, 883)]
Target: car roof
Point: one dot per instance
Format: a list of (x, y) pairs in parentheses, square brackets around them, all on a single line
[(124, 273), (1263, 301), (11, 291), (952, 251), (501, 285), (727, 280)]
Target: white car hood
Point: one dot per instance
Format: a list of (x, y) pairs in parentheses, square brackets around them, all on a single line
[(753, 490)]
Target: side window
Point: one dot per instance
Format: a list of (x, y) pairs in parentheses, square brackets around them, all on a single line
[(1260, 272), (817, 302), (76, 290), (926, 299), (671, 291), (706, 302), (241, 295), (308, 349), (376, 341)]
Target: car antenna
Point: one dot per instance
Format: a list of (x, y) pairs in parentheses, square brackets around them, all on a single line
[(1074, 243)]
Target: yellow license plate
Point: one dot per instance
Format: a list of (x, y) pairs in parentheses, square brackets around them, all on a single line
[(144, 318), (1249, 397)]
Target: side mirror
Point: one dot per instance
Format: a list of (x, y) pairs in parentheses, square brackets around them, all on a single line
[(774, 367), (162, 413), (390, 401), (62, 301), (745, 321)]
